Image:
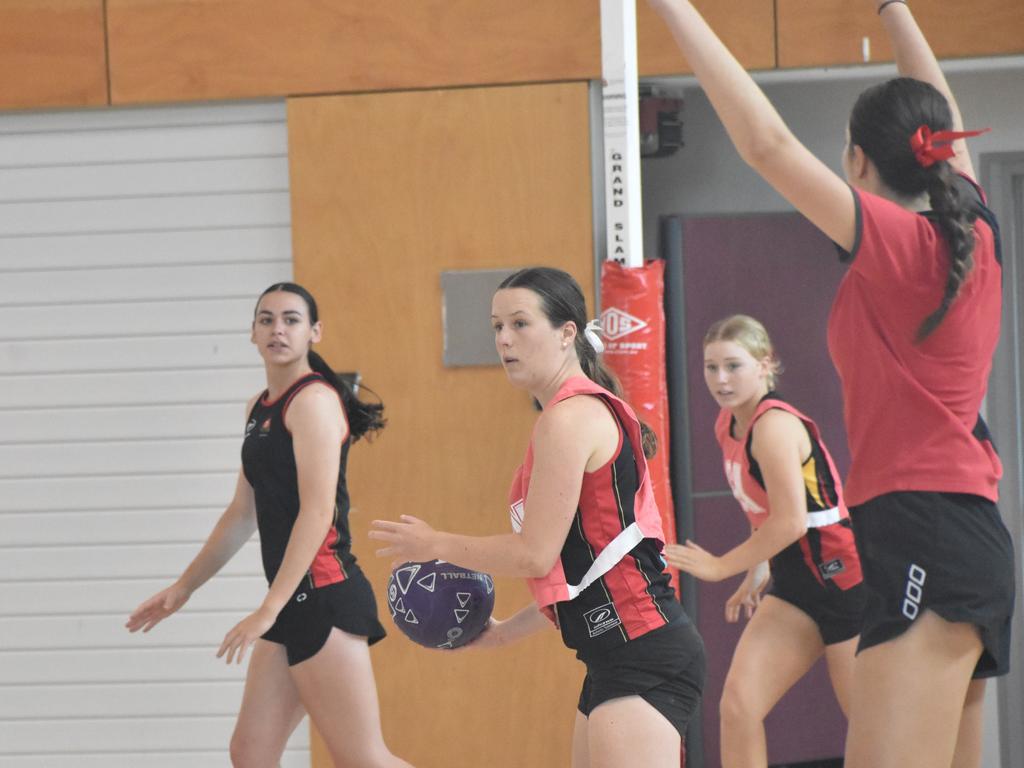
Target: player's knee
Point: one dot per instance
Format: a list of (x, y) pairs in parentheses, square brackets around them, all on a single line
[(247, 752), (242, 755), (363, 756), (738, 705)]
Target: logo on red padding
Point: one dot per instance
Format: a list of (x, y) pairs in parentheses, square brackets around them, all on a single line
[(615, 323)]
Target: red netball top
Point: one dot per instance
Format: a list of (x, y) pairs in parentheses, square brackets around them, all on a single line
[(828, 547), (911, 408), (607, 586)]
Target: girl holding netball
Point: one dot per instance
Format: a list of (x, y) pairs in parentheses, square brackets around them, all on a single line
[(310, 636), (587, 535), (912, 332), (782, 475)]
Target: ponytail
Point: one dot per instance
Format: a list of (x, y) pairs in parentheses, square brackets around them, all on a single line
[(362, 417), (904, 126), (956, 221), (562, 301), (602, 375)]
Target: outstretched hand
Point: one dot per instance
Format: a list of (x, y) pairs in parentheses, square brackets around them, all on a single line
[(693, 559), (157, 608), (410, 540)]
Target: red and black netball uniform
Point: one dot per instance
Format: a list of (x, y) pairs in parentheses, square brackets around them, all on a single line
[(608, 593), (924, 473), (334, 592), (820, 573)]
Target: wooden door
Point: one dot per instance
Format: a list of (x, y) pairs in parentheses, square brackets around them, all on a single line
[(388, 190)]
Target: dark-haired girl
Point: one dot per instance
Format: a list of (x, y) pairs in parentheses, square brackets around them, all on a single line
[(587, 534), (311, 634), (912, 332)]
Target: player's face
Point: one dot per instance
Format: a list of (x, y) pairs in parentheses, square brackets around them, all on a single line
[(734, 376), (531, 351), (281, 329)]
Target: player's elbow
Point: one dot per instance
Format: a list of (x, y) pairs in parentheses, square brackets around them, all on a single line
[(764, 147), (537, 565), (795, 528)]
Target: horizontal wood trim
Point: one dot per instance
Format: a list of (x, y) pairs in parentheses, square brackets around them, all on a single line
[(178, 50), (164, 50), (831, 32), (747, 27), (52, 54)]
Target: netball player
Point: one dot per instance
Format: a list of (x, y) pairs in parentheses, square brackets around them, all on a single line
[(912, 332), (311, 634), (783, 477), (587, 535)]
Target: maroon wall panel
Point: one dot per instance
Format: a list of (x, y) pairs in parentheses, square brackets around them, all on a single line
[(784, 272)]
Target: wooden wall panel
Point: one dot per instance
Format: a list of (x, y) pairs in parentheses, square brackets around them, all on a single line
[(52, 54), (833, 31), (388, 190), (165, 50), (179, 50), (746, 26)]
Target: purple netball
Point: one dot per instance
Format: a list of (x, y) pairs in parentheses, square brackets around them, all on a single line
[(438, 604)]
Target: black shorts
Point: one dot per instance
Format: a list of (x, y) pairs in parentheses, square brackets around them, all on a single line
[(838, 613), (945, 552), (306, 621), (665, 668)]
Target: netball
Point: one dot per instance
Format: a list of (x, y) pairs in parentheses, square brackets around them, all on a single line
[(438, 604)]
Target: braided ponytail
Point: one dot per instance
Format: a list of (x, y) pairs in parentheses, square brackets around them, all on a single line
[(957, 224), (882, 122)]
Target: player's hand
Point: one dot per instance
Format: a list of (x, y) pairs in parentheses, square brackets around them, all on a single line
[(157, 608), (410, 540), (245, 633), (693, 559), (748, 596), (491, 636)]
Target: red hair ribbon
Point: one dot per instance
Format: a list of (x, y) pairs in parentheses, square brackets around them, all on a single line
[(930, 147)]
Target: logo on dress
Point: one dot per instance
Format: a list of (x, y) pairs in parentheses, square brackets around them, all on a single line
[(615, 323), (265, 427), (831, 568), (601, 619), (250, 427)]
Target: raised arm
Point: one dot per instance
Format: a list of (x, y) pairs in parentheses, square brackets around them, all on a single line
[(914, 58), (758, 132)]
